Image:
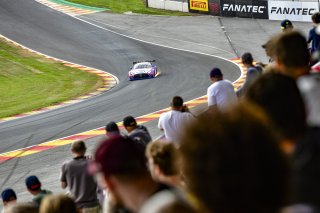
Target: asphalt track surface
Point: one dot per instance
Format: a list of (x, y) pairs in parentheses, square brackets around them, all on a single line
[(182, 73)]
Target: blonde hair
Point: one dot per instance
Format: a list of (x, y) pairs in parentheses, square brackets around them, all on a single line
[(58, 204)]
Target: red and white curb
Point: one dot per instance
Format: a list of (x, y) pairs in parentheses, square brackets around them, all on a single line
[(69, 10), (100, 131), (109, 81)]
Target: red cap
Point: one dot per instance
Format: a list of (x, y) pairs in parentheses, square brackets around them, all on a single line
[(120, 155)]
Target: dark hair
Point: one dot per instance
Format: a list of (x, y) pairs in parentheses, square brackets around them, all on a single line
[(215, 72), (164, 155), (280, 97), (177, 101), (129, 121), (233, 163), (247, 58), (112, 127), (78, 147), (291, 49), (316, 18)]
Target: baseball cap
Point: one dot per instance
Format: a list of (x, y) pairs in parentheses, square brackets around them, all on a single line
[(8, 195), (120, 155), (33, 183), (285, 24), (215, 72), (129, 121)]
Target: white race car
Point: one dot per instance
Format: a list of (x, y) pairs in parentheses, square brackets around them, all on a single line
[(142, 70)]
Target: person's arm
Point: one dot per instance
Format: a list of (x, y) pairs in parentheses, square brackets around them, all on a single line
[(63, 178), (310, 35), (160, 123)]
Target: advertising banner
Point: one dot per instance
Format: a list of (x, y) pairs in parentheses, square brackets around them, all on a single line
[(246, 9), (199, 5), (294, 11)]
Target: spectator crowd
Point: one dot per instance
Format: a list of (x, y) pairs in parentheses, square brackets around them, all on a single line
[(256, 149)]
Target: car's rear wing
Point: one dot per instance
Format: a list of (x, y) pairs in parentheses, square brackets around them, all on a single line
[(135, 62)]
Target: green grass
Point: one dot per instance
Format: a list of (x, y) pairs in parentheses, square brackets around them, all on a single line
[(29, 81), (121, 6)]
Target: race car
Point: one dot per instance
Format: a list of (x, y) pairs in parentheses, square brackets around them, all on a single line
[(142, 70)]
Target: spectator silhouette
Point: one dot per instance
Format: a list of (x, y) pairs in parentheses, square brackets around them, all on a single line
[(9, 197), (81, 184), (279, 96), (164, 163), (112, 129), (123, 165), (314, 37), (173, 121), (58, 204), (286, 25), (221, 94), (34, 187), (232, 163), (253, 72), (136, 132)]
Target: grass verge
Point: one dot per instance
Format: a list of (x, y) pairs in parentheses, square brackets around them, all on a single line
[(121, 6), (29, 81)]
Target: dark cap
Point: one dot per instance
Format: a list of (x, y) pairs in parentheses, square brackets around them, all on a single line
[(112, 127), (215, 72), (120, 155), (33, 183), (8, 195), (286, 24), (129, 121)]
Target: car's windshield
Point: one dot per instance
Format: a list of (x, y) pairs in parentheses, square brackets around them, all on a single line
[(142, 66)]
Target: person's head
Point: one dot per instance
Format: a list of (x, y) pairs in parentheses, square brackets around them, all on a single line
[(112, 128), (286, 25), (8, 196), (123, 166), (232, 162), (177, 103), (291, 54), (316, 18), (78, 148), (279, 96), (33, 184), (129, 123), (247, 59), (59, 203), (22, 208), (163, 160), (216, 74)]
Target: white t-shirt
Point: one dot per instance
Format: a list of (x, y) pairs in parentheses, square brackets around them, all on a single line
[(172, 123), (222, 94), (309, 86)]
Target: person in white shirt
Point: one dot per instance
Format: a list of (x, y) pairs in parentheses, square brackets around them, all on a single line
[(173, 122), (221, 93)]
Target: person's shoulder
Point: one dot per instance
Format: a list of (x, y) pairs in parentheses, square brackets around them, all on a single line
[(164, 114), (187, 115)]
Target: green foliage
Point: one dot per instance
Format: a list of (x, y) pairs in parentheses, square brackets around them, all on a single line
[(121, 6), (29, 81)]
